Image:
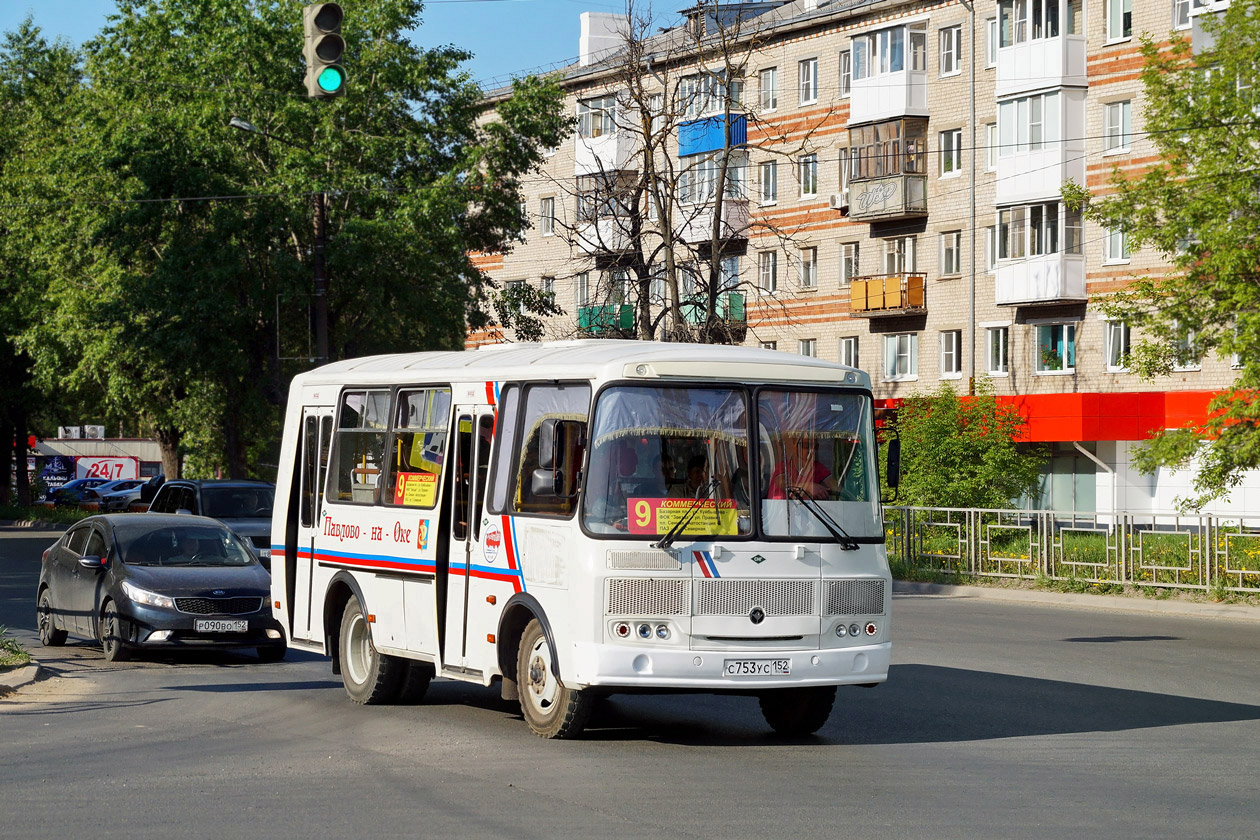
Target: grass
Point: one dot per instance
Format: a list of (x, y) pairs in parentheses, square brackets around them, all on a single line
[(40, 513), (12, 654)]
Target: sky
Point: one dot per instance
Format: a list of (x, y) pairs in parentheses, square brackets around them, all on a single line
[(505, 36)]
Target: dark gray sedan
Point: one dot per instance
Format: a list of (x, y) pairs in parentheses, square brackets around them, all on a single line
[(139, 581)]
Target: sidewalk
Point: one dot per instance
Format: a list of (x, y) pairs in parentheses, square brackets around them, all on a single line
[(11, 681)]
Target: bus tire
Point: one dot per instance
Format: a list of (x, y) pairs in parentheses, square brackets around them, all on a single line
[(370, 677), (552, 709), (798, 711), (415, 681)]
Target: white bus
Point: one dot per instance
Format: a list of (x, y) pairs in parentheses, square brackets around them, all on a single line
[(582, 518)]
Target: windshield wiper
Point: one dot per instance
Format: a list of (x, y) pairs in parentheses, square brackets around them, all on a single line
[(847, 543), (702, 495)]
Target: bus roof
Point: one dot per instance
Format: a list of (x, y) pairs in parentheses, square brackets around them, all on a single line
[(586, 359)]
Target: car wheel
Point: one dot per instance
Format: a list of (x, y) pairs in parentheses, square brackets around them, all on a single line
[(370, 677), (798, 711), (272, 653), (112, 639), (49, 635), (552, 709)]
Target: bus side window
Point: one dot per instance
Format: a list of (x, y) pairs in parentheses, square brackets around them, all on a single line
[(418, 448), (505, 451), (362, 424), (546, 402)]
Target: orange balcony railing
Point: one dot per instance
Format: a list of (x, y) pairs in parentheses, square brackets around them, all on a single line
[(888, 294)]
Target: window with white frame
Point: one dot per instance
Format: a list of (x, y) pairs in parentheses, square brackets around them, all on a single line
[(846, 167), (1033, 230), (901, 352), (769, 78), (1117, 346), (547, 216), (846, 72), (951, 152), (951, 253), (997, 348), (1181, 14), (656, 107), (850, 262), (597, 116), (882, 52), (706, 93), (1185, 353), (807, 347), (1119, 19), (899, 256), (728, 274), (951, 354), (849, 351), (582, 289), (698, 182), (769, 345), (809, 268), (951, 50), (807, 81), (990, 42), (548, 287), (1116, 246), (1116, 127), (1027, 124), (1056, 348), (768, 271), (990, 146), (657, 288), (808, 166), (990, 249), (768, 171)]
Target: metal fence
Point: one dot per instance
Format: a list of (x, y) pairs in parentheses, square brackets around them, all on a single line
[(1166, 550)]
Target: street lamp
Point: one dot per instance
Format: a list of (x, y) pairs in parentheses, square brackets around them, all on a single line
[(317, 257)]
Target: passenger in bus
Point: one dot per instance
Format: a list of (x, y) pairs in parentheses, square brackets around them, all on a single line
[(697, 479), (800, 468), (615, 480)]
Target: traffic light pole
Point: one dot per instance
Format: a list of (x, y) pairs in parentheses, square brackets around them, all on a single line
[(321, 279)]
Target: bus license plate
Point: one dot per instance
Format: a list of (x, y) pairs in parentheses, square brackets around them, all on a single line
[(757, 667), (220, 625)]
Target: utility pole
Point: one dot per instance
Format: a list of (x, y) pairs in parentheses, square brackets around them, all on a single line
[(321, 279)]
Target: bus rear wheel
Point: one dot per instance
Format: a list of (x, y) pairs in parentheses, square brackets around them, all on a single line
[(798, 711), (370, 676), (552, 709)]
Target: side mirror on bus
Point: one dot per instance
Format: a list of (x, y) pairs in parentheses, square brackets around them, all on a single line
[(544, 483), (554, 437), (893, 475)]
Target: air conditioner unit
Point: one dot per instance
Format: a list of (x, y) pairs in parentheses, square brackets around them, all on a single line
[(94, 432), (69, 432), (840, 201)]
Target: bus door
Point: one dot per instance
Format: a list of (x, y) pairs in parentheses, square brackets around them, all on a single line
[(317, 424), (474, 430)]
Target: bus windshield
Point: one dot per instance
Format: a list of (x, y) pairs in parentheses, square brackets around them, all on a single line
[(816, 452), (661, 456)]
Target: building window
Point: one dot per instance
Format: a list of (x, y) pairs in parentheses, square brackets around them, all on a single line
[(548, 286), (809, 176), (1032, 230), (1116, 247), (850, 266), (951, 354), (547, 216), (768, 271), (807, 347), (997, 341), (1056, 348), (849, 351), (1185, 354), (990, 42), (769, 171), (1029, 20), (1029, 123), (951, 51), (951, 252), (1181, 14), (582, 289), (597, 116), (883, 52), (809, 268), (899, 255), (846, 72), (990, 146), (901, 357), (769, 88), (807, 76), (894, 147), (698, 182), (1117, 346), (951, 152), (707, 93), (1116, 128), (1119, 19), (769, 345)]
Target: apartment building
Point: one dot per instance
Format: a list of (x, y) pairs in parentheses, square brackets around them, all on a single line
[(893, 202)]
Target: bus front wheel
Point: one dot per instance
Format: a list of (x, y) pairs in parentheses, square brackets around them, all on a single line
[(552, 709), (370, 676), (798, 711)]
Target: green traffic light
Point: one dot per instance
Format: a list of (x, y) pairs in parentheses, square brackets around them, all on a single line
[(331, 79)]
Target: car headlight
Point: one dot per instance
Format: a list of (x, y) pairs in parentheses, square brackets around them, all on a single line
[(144, 596)]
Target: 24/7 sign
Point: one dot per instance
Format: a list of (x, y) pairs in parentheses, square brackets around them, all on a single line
[(109, 467)]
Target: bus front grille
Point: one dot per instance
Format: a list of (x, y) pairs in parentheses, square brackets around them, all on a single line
[(647, 596), (855, 597), (738, 597)]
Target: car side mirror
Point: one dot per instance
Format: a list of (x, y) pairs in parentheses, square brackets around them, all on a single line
[(92, 561), (185, 511)]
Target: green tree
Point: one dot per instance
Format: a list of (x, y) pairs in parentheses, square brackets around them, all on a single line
[(1199, 207), (962, 451), (177, 250)]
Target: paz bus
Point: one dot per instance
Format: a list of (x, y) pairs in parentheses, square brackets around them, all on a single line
[(581, 518)]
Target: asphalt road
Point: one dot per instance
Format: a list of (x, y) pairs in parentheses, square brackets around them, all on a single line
[(1000, 720)]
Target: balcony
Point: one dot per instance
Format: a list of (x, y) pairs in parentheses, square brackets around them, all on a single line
[(697, 222), (1026, 174), (708, 134), (729, 310), (1041, 63), (602, 237), (1052, 278), (609, 152), (883, 295), (892, 197), (886, 96), (615, 319)]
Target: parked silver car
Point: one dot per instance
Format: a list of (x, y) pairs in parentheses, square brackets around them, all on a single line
[(244, 506)]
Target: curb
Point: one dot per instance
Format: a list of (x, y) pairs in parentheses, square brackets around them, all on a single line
[(20, 678), (1113, 603), (33, 525)]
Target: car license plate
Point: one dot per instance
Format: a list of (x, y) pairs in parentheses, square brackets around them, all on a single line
[(221, 625), (757, 667)]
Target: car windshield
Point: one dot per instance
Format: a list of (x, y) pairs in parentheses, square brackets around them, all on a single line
[(237, 502), (139, 544), (662, 457), (817, 457)]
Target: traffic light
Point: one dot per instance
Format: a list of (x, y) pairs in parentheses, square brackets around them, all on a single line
[(325, 77)]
